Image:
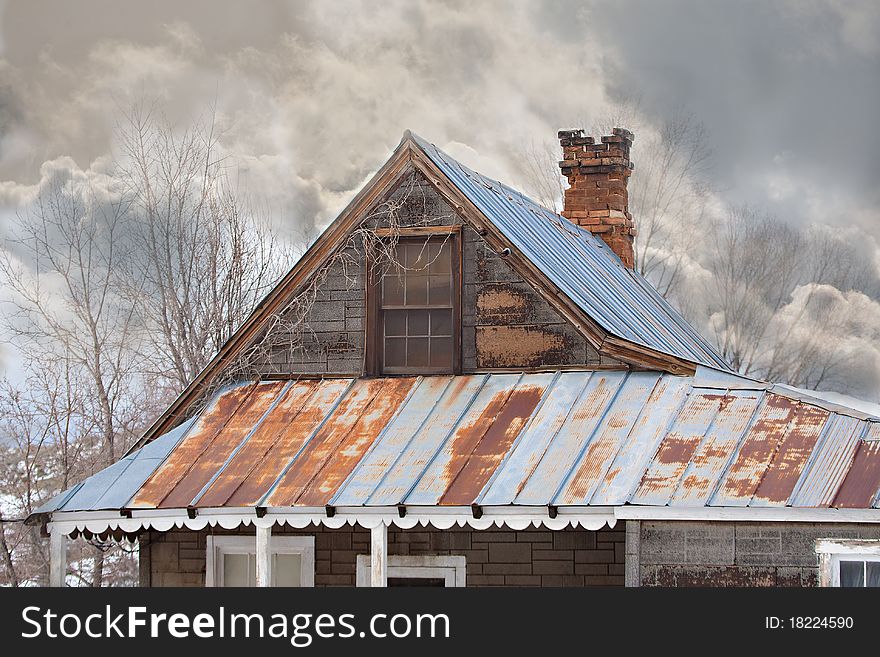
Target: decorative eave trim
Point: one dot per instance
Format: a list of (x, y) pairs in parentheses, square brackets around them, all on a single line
[(746, 514), (98, 522), (516, 518)]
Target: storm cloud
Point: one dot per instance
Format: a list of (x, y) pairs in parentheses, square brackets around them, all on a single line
[(310, 97)]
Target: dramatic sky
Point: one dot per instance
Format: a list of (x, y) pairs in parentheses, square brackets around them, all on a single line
[(312, 96)]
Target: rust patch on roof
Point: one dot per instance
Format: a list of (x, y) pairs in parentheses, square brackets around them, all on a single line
[(479, 447), (792, 455), (264, 438), (758, 449), (677, 448), (859, 489), (290, 439), (219, 449), (363, 412), (209, 424), (353, 446)]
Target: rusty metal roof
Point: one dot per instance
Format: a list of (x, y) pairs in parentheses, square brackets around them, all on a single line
[(599, 438), (619, 299)]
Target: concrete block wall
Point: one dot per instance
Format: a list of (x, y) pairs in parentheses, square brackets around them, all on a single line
[(730, 553), (495, 557)]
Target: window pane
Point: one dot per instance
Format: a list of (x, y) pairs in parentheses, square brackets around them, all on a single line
[(873, 573), (441, 352), (440, 290), (441, 258), (852, 573), (392, 290), (417, 322), (416, 289), (416, 256), (395, 352), (417, 352), (286, 569), (441, 322), (395, 322), (235, 570)]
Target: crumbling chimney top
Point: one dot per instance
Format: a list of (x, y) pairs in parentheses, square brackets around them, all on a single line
[(597, 198)]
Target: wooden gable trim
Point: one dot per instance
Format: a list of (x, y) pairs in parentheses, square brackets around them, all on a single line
[(379, 186), (605, 343)]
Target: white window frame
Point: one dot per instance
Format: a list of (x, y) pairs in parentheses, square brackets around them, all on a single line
[(219, 546), (451, 569), (832, 551)]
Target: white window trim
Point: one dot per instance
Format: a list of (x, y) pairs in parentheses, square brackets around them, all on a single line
[(220, 545), (452, 569), (832, 551)]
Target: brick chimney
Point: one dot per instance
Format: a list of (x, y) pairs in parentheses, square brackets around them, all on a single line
[(596, 197)]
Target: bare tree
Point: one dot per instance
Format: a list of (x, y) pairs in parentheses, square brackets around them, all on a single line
[(202, 257), (774, 298), (123, 284)]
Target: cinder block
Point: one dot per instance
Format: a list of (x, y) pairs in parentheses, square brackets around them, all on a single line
[(510, 552)]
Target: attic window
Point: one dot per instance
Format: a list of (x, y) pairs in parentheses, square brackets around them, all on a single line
[(416, 320)]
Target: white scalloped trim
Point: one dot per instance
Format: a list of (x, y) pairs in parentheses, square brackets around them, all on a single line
[(445, 518)]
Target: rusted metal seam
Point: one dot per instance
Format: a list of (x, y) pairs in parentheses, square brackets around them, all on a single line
[(833, 418), (589, 440), (734, 453), (329, 456), (699, 446), (257, 462), (377, 441), (241, 444), (652, 454), (625, 440), (516, 441), (446, 438), (400, 454), (788, 428), (306, 442), (253, 387), (483, 435), (568, 414), (851, 461)]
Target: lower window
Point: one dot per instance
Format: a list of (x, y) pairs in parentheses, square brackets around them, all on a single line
[(231, 561), (429, 570), (849, 563)]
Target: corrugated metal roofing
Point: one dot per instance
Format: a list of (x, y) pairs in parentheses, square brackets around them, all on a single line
[(562, 439), (619, 299)]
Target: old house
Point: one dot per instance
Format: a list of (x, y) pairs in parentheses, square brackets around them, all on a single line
[(455, 386)]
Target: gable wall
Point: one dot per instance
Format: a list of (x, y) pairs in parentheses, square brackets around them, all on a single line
[(505, 323)]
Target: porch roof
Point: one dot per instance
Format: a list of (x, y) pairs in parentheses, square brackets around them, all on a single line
[(554, 439)]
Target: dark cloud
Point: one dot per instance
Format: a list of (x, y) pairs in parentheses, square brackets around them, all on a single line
[(311, 96)]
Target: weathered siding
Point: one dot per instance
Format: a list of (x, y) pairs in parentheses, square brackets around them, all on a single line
[(495, 557), (731, 553), (505, 322)]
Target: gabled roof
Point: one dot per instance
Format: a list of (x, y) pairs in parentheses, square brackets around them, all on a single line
[(581, 265), (563, 439), (614, 307)]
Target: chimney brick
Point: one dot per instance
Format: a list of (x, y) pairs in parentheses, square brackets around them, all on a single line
[(596, 198)]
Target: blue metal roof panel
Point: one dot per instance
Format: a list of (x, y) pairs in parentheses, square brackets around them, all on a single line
[(575, 438)]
